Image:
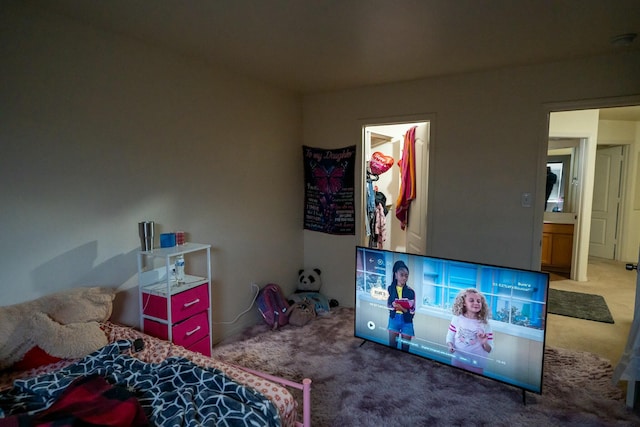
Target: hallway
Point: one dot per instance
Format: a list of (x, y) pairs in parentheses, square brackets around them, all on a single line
[(617, 285)]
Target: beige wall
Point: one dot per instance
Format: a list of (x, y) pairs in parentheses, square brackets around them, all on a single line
[(488, 147), (99, 132)]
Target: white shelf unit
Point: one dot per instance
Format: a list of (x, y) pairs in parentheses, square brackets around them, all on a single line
[(159, 292)]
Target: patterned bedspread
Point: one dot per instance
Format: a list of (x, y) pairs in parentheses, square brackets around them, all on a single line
[(173, 392), (156, 350)]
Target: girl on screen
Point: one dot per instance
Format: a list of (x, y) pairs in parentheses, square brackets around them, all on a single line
[(401, 303), (470, 338)]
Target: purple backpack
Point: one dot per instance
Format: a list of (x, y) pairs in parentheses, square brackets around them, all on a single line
[(273, 306)]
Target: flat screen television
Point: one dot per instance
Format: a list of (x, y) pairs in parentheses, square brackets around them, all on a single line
[(499, 309)]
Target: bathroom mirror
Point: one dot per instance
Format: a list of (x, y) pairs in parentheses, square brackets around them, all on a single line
[(563, 172), (555, 189)]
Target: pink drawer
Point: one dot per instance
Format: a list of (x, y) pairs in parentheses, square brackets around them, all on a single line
[(184, 304), (156, 329), (203, 346), (191, 330), (186, 333)]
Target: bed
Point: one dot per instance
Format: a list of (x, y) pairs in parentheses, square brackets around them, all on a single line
[(172, 385)]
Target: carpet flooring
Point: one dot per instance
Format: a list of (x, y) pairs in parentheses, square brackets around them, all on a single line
[(579, 305), (367, 384)]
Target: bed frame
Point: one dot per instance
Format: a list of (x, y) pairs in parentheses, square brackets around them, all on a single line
[(305, 386)]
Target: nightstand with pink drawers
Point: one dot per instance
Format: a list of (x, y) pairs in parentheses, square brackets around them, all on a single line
[(177, 312)]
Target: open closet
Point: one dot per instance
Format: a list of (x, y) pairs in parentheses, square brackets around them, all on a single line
[(384, 146)]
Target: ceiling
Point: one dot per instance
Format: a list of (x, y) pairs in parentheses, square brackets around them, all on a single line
[(311, 46)]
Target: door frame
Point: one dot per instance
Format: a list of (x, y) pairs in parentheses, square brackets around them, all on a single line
[(581, 255), (391, 120)]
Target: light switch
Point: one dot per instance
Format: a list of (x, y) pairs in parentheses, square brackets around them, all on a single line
[(526, 200)]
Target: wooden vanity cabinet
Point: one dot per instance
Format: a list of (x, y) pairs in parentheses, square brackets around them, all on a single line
[(557, 247)]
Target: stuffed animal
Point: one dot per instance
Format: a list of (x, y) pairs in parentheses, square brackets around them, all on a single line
[(309, 284), (63, 325)]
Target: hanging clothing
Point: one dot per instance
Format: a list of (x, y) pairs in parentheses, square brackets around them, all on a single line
[(382, 200), (371, 206), (381, 226), (407, 177)]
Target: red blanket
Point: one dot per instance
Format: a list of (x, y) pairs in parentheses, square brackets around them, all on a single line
[(88, 401)]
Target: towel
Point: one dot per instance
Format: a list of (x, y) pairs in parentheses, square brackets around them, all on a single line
[(407, 177)]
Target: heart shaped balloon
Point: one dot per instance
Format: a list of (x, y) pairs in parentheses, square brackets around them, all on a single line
[(380, 163)]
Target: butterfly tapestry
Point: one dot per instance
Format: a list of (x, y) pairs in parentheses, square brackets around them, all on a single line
[(329, 190)]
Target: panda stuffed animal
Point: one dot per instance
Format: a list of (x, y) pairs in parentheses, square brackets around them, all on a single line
[(309, 284)]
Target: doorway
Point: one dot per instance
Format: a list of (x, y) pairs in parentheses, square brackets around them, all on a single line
[(601, 178), (383, 147)]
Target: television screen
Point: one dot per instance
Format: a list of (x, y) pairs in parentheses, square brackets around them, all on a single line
[(485, 319)]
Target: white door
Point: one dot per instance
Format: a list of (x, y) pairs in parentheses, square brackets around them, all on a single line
[(606, 202), (417, 226)]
